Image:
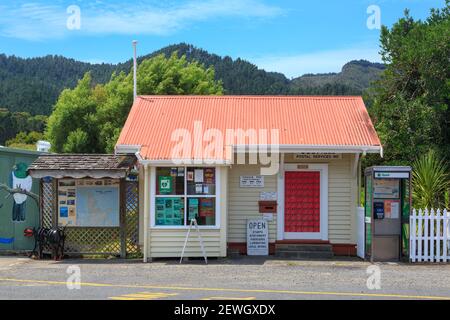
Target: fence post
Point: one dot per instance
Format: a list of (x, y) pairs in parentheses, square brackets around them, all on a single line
[(420, 234), (412, 236), (432, 242), (122, 219), (446, 244), (427, 218), (438, 235)]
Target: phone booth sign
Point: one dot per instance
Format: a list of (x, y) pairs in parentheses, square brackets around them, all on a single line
[(387, 210)]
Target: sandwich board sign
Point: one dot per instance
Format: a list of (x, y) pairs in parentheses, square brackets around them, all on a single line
[(257, 237)]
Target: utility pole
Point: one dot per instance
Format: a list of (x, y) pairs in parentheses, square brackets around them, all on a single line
[(134, 70)]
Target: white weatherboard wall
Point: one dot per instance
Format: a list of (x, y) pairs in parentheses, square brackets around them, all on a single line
[(243, 203), (169, 242), (342, 190)]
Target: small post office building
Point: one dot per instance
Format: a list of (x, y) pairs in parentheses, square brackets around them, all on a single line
[(293, 161)]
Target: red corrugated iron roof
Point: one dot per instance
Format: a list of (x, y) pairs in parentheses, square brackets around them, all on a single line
[(301, 120)]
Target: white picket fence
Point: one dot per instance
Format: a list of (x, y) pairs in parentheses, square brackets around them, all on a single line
[(429, 235)]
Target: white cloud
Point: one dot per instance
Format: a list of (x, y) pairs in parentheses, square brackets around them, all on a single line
[(316, 62), (33, 21)]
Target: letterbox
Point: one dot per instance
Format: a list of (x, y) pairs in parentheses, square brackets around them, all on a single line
[(267, 206)]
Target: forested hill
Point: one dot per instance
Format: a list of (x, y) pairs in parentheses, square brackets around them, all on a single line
[(33, 85), (354, 78), (238, 76)]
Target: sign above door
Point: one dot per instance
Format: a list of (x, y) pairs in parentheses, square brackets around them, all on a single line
[(317, 156)]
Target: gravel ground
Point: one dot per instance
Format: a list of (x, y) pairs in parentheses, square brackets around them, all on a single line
[(249, 278)]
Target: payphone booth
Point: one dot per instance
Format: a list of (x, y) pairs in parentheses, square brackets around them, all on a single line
[(387, 210)]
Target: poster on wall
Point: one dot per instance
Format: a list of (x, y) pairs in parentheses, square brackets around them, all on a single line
[(386, 189), (193, 208), (391, 209), (206, 207), (67, 202), (198, 175), (209, 176), (169, 211), (165, 184)]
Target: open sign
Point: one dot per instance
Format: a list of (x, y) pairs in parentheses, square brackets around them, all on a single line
[(257, 237)]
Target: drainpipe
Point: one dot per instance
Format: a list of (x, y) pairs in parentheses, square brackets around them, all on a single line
[(146, 212)]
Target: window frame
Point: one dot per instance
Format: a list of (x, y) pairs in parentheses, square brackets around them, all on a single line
[(154, 196)]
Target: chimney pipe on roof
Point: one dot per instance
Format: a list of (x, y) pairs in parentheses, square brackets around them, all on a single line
[(134, 70)]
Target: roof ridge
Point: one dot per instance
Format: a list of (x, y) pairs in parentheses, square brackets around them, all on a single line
[(293, 97), (80, 154)]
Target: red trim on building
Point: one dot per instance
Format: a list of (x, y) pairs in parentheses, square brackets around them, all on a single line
[(339, 249), (312, 241), (344, 249), (242, 247)]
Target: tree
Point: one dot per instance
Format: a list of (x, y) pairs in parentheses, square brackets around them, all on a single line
[(88, 118), (411, 101), (13, 123), (430, 182), (24, 140), (72, 127)]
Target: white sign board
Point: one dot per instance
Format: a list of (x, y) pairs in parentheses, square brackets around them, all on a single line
[(257, 237), (268, 196), (251, 182), (317, 156), (392, 175)]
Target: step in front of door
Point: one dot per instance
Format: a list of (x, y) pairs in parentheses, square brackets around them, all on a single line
[(304, 251)]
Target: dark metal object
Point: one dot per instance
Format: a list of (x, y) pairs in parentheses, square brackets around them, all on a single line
[(54, 238)]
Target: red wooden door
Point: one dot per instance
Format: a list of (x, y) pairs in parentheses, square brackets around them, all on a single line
[(302, 201)]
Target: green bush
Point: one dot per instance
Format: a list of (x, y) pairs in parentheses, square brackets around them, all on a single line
[(431, 181)]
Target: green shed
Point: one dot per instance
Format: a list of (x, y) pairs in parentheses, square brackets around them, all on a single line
[(17, 212)]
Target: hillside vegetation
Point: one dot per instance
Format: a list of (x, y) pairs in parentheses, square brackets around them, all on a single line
[(33, 85)]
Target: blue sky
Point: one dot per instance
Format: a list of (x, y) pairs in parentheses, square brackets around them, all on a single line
[(289, 36)]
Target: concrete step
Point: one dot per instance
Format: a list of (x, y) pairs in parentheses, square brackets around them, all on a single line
[(233, 253), (304, 247), (304, 254)]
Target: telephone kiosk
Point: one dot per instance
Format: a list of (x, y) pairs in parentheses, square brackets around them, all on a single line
[(387, 210)]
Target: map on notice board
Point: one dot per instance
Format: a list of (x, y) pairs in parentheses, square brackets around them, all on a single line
[(98, 207)]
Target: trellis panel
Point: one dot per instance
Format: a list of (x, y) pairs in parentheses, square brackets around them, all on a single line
[(46, 204)]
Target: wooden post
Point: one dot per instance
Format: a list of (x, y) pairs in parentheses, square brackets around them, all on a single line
[(54, 203), (41, 203), (123, 220)]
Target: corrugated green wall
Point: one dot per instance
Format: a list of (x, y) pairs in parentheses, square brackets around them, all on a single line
[(11, 232)]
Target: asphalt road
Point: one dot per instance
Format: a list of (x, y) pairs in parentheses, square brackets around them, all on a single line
[(228, 279)]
